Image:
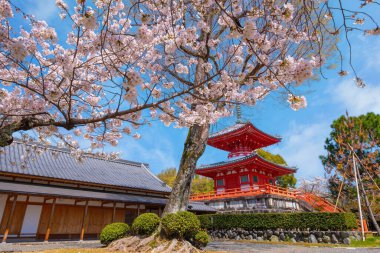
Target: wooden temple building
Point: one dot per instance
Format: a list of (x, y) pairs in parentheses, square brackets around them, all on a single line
[(53, 196), (247, 182)]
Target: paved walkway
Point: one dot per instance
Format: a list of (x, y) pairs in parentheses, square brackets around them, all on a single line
[(219, 246), (41, 246), (246, 247)]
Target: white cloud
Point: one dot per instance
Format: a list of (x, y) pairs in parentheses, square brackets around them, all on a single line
[(302, 144), (301, 147), (356, 100)]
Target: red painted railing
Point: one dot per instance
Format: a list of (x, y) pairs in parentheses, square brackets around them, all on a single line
[(246, 191), (318, 203), (313, 200)]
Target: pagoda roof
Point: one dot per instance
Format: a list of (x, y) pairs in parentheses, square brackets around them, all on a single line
[(243, 132), (254, 161)]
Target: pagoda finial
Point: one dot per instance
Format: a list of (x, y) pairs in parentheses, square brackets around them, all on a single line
[(238, 114)]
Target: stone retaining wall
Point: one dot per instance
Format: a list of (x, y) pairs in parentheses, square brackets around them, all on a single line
[(276, 235)]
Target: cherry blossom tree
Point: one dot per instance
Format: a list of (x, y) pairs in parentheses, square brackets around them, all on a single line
[(185, 62)]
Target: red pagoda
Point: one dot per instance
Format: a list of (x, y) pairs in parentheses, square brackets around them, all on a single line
[(247, 181)]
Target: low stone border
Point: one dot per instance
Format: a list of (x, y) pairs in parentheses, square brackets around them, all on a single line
[(335, 237)]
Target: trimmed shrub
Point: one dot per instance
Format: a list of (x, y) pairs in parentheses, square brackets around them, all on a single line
[(145, 224), (181, 225), (314, 221), (173, 225), (112, 232), (201, 239), (191, 224)]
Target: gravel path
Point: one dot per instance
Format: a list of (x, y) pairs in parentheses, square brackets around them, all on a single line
[(219, 246), (246, 247), (41, 246)]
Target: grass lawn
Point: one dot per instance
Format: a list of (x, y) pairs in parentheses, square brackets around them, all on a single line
[(370, 242)]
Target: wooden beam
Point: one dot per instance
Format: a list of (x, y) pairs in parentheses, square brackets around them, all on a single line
[(7, 227), (114, 212), (84, 221), (48, 229)]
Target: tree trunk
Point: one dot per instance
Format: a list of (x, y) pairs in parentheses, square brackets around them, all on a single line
[(368, 206), (194, 147)]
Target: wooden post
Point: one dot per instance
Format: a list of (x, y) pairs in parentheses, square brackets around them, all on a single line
[(138, 209), (39, 223), (23, 217), (7, 227), (358, 193), (114, 212), (48, 229), (84, 221), (159, 211)]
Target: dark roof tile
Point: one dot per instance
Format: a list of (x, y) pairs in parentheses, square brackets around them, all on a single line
[(92, 169)]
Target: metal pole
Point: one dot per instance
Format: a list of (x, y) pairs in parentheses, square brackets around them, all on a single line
[(358, 193)]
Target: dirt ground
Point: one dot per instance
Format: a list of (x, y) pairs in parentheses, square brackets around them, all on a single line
[(215, 246)]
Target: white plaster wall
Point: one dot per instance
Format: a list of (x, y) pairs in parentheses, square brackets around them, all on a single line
[(95, 203), (65, 201), (21, 198), (36, 199), (3, 202), (31, 220)]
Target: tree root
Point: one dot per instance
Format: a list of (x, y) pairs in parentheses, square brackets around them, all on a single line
[(152, 244)]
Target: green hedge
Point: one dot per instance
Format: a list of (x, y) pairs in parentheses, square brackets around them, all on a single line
[(314, 221)]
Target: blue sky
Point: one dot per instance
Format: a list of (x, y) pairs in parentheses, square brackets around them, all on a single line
[(303, 132)]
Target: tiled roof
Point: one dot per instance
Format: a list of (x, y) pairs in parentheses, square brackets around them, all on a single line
[(200, 206), (233, 161), (93, 170), (227, 130), (80, 193), (239, 126), (77, 193)]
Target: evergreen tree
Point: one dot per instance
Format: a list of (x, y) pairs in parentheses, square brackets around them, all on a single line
[(355, 139)]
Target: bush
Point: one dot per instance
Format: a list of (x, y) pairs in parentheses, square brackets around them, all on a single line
[(145, 224), (173, 225), (181, 225), (314, 221), (192, 224), (201, 239), (112, 232)]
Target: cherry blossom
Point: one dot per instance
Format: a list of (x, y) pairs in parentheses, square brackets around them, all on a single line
[(184, 62)]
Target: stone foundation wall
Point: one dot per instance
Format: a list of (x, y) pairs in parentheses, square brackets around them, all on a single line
[(335, 237)]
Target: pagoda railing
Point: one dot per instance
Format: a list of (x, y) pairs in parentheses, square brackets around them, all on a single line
[(313, 200), (246, 191), (318, 203)]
